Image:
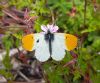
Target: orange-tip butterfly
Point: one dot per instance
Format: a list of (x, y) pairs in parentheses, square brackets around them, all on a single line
[(49, 43)]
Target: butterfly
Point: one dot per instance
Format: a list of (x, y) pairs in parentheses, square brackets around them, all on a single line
[(49, 43)]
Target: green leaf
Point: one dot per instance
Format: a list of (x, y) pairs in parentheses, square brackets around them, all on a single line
[(6, 61), (6, 74), (76, 75)]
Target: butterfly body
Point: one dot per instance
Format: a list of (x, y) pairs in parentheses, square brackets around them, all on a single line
[(49, 37)]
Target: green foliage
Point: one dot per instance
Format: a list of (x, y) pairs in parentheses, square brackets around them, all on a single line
[(55, 72), (78, 24), (18, 37), (76, 75), (20, 3), (6, 62), (8, 42), (7, 74)]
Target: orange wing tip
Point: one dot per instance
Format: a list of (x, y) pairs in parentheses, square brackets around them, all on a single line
[(28, 42), (70, 42)]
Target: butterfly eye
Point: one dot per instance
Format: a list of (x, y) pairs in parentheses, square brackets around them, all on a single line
[(37, 41)]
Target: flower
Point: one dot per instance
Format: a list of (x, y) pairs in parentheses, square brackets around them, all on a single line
[(1, 35), (52, 28)]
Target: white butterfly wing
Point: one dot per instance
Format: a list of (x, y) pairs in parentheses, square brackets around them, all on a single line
[(58, 46), (41, 48), (38, 43)]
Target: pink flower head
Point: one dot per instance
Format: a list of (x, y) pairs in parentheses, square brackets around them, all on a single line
[(52, 28), (1, 35)]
